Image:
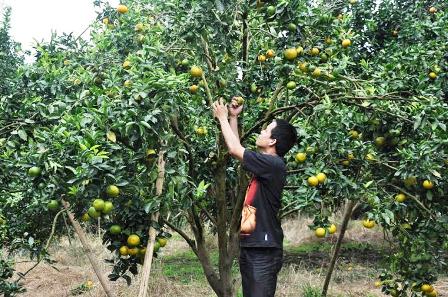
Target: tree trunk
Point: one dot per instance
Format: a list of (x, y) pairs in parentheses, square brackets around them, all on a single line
[(143, 291), (347, 215), (88, 251)]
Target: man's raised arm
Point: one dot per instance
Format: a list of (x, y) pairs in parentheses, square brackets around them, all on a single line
[(229, 129)]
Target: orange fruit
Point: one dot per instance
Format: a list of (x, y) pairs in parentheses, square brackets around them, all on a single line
[(115, 229), (133, 240), (194, 89), (332, 229), (380, 140), (426, 288), (112, 191), (127, 83), (53, 205), (85, 217), (108, 207), (314, 51), (93, 213), (126, 64), (300, 157), (122, 8), (432, 75), (98, 204), (321, 177), (34, 171), (354, 134), (290, 54), (303, 67), (368, 223), (239, 100), (432, 9), (270, 53), (346, 43), (156, 246), (162, 241), (400, 198), (313, 181), (124, 250), (261, 58), (133, 251), (196, 71), (428, 185), (291, 85), (201, 131), (320, 232), (316, 73), (142, 251)]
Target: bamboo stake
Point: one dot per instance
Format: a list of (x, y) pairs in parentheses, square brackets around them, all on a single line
[(347, 215), (88, 250), (144, 284)]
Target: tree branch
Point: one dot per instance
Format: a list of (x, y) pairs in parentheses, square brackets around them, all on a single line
[(190, 241), (415, 199)]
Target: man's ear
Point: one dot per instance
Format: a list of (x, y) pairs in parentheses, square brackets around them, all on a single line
[(273, 142)]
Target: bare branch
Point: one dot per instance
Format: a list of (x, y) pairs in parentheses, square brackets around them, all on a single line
[(190, 241)]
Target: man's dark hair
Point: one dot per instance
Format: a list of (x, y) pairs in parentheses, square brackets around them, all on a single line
[(286, 136)]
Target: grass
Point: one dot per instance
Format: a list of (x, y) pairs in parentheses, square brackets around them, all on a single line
[(177, 272), (185, 267)]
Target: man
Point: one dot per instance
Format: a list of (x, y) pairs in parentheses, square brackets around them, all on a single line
[(261, 237)]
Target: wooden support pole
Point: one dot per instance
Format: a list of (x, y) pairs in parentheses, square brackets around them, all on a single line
[(144, 284), (87, 249)]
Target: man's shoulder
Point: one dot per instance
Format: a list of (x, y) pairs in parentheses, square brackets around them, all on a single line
[(275, 160)]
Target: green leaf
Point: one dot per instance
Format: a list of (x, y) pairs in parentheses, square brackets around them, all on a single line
[(22, 134)]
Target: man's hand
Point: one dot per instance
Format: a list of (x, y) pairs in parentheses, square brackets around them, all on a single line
[(234, 108), (220, 110)]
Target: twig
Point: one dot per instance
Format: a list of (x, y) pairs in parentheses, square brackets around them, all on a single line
[(190, 241), (53, 228), (415, 199)]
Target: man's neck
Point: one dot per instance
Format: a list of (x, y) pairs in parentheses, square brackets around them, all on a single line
[(268, 151)]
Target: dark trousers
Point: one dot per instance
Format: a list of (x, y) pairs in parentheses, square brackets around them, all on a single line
[(259, 268)]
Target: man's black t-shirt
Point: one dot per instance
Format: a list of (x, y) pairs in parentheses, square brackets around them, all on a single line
[(264, 194)]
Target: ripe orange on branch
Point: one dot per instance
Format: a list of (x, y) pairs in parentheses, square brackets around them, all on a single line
[(270, 53), (320, 232), (321, 177), (112, 191), (428, 185), (133, 240), (368, 223), (313, 181), (346, 43), (196, 71), (290, 54), (194, 89), (122, 8)]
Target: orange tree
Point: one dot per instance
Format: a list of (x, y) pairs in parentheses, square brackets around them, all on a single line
[(9, 62), (364, 83)]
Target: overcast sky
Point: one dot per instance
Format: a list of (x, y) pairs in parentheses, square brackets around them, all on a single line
[(36, 19)]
